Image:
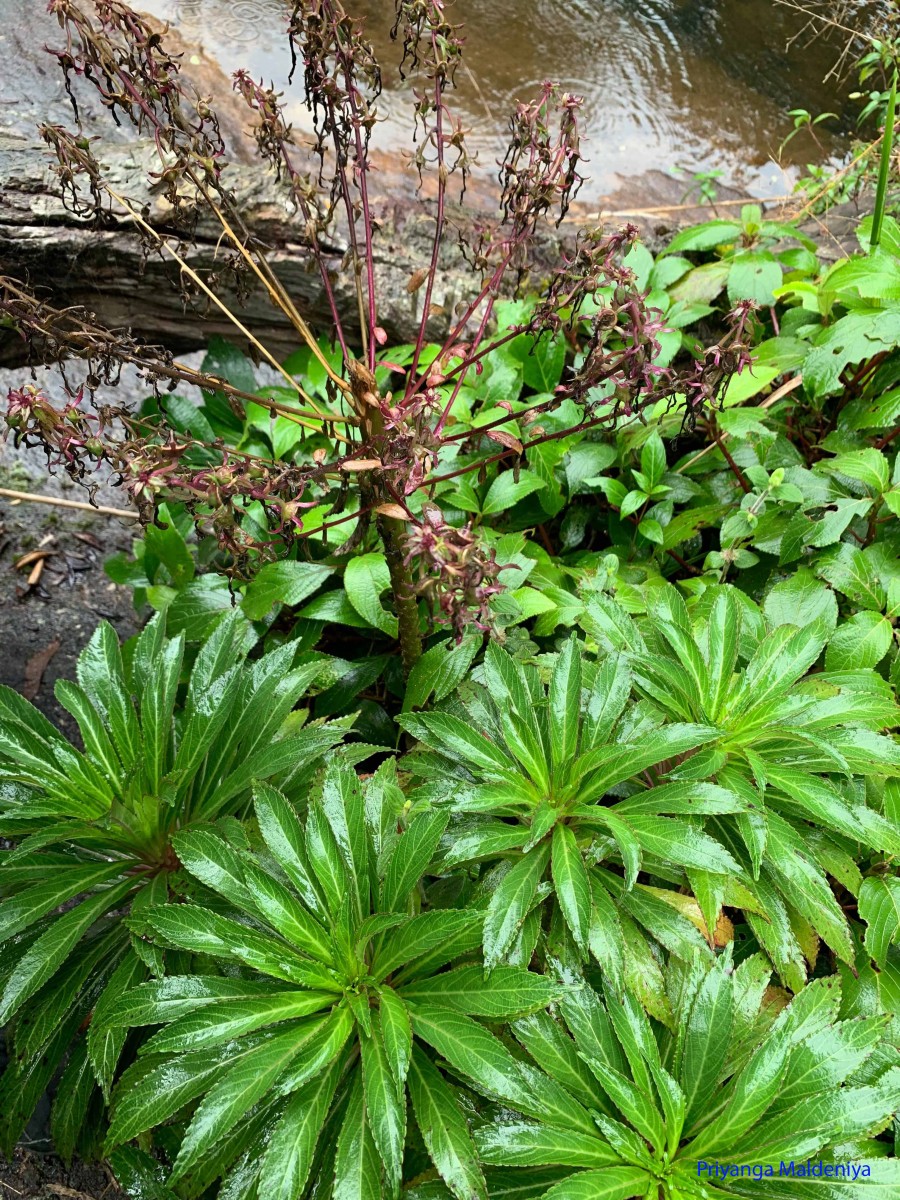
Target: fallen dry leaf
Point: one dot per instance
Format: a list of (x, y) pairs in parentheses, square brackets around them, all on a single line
[(505, 439), (393, 510), (361, 464), (32, 556), (35, 668)]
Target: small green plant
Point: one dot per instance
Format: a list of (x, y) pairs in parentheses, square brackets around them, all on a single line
[(737, 776), (704, 185), (805, 751), (526, 767), (305, 1063), (752, 262), (166, 746), (879, 60), (739, 1099), (803, 119)]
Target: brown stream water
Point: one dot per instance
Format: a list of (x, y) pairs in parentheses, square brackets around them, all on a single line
[(671, 85)]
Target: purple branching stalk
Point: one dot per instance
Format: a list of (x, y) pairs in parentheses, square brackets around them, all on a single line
[(454, 570), (432, 45), (342, 80)]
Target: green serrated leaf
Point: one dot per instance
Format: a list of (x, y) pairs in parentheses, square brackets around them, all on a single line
[(366, 577)]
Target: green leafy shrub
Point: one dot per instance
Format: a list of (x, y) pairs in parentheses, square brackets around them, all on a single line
[(704, 773), (738, 777), (803, 480), (166, 746), (736, 1083), (305, 1064), (529, 956)]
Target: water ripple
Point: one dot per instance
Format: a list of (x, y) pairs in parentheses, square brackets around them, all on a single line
[(695, 83)]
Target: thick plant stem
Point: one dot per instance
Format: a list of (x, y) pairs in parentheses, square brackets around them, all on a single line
[(367, 403), (391, 530)]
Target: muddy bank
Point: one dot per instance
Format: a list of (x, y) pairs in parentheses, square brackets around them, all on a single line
[(35, 1175), (45, 623)]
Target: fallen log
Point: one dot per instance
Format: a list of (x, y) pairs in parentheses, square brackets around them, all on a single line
[(72, 262)]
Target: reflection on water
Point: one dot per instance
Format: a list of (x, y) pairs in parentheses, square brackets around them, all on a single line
[(690, 84)]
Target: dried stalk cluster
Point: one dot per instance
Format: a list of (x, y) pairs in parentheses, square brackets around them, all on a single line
[(384, 446)]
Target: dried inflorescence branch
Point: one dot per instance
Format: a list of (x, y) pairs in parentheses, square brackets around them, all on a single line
[(342, 83), (72, 334), (430, 42), (341, 76), (71, 438), (433, 47), (126, 60), (595, 263), (155, 465), (455, 571), (77, 168), (539, 173), (705, 384)]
